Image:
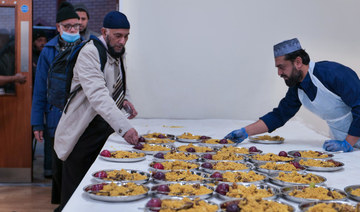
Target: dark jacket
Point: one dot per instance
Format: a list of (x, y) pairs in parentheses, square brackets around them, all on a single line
[(42, 113)]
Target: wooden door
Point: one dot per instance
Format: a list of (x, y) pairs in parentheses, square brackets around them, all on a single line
[(15, 99)]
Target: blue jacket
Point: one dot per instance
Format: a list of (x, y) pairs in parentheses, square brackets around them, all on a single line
[(337, 78), (42, 113)]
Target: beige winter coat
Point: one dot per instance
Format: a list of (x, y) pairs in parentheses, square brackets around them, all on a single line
[(94, 98)]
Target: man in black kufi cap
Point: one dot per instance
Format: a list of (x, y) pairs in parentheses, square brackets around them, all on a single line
[(100, 108)]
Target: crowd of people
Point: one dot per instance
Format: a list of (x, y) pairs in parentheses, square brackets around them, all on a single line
[(75, 136)]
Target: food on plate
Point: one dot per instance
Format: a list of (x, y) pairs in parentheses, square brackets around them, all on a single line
[(249, 192), (313, 154), (177, 189), (158, 141), (174, 165), (239, 150), (120, 175), (138, 146), (126, 154), (180, 156), (244, 177), (280, 166), (128, 189), (319, 163), (190, 136), (182, 205), (227, 156), (217, 141), (319, 193), (269, 138), (270, 157), (149, 147), (193, 148), (295, 177), (227, 165), (178, 176), (332, 206), (156, 135), (254, 205), (356, 192)]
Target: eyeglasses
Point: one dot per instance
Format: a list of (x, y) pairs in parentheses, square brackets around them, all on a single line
[(69, 26)]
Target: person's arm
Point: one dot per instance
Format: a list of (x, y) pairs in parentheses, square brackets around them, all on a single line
[(287, 108), (17, 78), (92, 80), (39, 100)]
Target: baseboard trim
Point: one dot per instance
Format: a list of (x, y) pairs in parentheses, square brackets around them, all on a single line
[(15, 175)]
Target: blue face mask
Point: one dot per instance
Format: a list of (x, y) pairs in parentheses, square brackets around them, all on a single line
[(70, 37)]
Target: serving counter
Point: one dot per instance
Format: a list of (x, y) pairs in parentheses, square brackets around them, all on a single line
[(297, 137)]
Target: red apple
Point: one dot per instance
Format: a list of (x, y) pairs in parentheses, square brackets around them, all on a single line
[(159, 155), (97, 187), (158, 166), (159, 175), (253, 149), (161, 136), (163, 189), (222, 188), (297, 154), (139, 146), (141, 139), (207, 156), (101, 174), (207, 165), (216, 175), (283, 154), (105, 153), (154, 203), (190, 149), (232, 208), (223, 141)]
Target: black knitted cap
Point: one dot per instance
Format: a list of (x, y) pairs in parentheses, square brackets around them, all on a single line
[(66, 11)]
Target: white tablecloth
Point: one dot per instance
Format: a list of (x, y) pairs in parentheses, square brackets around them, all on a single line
[(297, 135)]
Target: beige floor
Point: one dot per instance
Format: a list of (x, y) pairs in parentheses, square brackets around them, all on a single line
[(28, 197)]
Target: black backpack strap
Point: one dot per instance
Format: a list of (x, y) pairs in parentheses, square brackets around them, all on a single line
[(102, 51)]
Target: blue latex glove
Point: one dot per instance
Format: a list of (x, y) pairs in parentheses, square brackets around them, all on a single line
[(336, 145), (237, 135)]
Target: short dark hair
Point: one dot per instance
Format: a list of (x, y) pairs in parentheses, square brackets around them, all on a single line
[(299, 53)]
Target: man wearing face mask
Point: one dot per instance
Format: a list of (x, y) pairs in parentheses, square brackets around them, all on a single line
[(328, 89), (95, 112), (45, 117)]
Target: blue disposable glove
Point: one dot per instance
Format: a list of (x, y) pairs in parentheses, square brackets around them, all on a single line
[(336, 145), (237, 135)]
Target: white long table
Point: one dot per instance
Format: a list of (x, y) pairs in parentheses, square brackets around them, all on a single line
[(297, 135)]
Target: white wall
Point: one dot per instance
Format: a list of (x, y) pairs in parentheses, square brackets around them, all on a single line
[(214, 59)]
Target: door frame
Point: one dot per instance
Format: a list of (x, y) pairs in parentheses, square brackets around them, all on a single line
[(15, 109)]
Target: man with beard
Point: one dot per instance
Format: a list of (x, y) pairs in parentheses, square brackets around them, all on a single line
[(328, 89), (93, 114), (83, 13)]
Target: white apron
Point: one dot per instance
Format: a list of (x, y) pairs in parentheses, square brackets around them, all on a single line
[(329, 107)]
